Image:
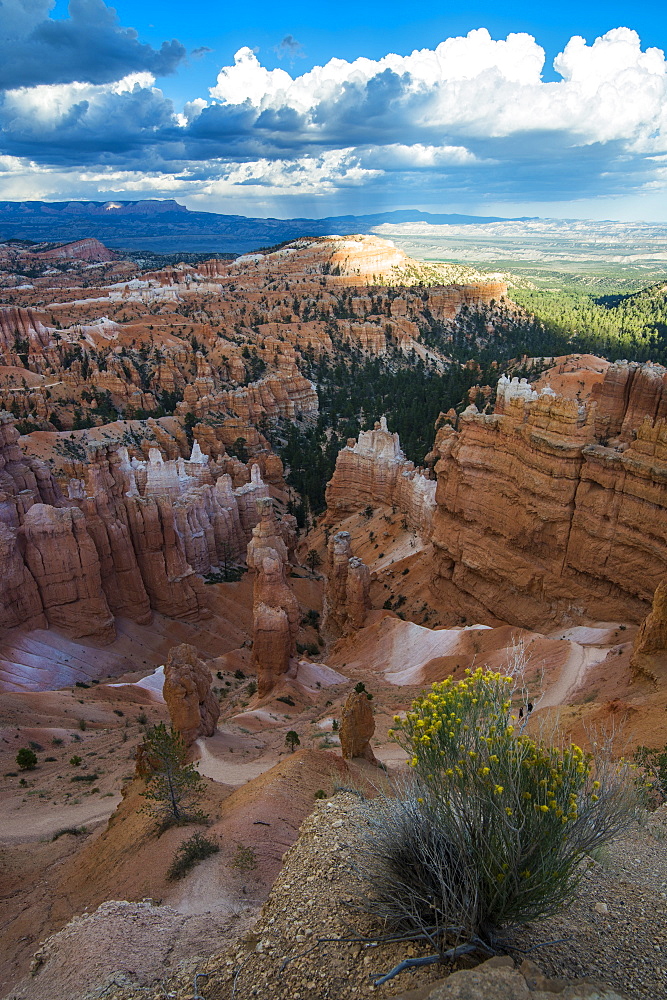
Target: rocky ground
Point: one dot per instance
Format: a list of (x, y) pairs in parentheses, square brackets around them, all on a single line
[(308, 943)]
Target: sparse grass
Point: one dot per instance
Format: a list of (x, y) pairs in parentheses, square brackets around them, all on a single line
[(245, 859), (196, 848), (74, 831)]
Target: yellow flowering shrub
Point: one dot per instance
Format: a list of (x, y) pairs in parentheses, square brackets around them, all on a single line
[(508, 816)]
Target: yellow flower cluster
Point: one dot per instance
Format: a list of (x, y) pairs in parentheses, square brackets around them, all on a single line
[(460, 739)]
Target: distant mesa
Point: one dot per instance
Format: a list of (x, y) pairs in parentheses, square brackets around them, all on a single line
[(164, 226)]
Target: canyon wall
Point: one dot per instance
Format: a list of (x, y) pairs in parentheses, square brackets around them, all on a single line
[(555, 510), (374, 470)]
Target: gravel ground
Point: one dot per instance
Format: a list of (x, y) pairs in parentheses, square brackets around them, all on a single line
[(615, 930)]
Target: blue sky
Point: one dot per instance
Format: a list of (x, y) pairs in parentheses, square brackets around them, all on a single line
[(325, 108)]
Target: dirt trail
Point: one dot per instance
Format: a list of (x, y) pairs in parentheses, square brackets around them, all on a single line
[(572, 675), (22, 827)]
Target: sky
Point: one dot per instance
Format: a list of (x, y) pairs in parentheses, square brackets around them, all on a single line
[(330, 108)]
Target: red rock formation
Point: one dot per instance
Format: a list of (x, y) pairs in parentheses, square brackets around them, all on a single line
[(346, 595), (20, 601), (108, 525), (357, 726), (170, 582), (649, 650), (63, 561), (374, 470), (193, 708), (358, 592), (538, 522), (629, 393), (275, 608), (335, 593), (87, 249)]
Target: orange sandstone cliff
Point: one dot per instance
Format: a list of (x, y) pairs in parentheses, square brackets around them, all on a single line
[(541, 517)]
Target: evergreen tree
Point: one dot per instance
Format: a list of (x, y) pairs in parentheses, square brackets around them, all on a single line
[(172, 785)]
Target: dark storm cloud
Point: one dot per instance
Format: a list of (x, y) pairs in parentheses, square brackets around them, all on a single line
[(290, 49), (89, 46)]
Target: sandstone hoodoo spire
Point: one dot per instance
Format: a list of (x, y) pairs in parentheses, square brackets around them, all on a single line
[(193, 708), (346, 595), (275, 608), (357, 725)]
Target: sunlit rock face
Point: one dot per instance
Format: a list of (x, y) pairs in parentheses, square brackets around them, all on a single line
[(552, 508), (374, 470)]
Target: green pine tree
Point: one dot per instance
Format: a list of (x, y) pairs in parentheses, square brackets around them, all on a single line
[(172, 785)]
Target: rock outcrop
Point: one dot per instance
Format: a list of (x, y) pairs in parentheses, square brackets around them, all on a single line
[(347, 591), (357, 726), (498, 979), (538, 520), (193, 708), (20, 600), (649, 650), (358, 592), (275, 608), (374, 470), (63, 561)]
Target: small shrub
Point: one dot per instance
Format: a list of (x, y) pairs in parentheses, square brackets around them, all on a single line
[(82, 684), (49, 760), (194, 849), (245, 859), (57, 741), (219, 675), (142, 718), (320, 794), (83, 725), (653, 763), (240, 676), (286, 700), (84, 777), (74, 831), (251, 688), (117, 711), (34, 745), (26, 759), (75, 760)]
